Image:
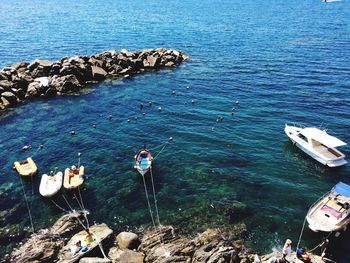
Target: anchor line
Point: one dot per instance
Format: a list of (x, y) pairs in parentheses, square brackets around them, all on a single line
[(85, 228), (30, 215), (165, 144), (154, 197), (301, 233), (149, 205)]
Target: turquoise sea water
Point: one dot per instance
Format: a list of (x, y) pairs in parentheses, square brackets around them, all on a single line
[(285, 61)]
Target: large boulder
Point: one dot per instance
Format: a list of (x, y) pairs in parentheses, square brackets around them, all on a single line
[(125, 256), (6, 84), (68, 223), (66, 84), (41, 247), (10, 97), (98, 73), (151, 61), (99, 233), (128, 240), (33, 90)]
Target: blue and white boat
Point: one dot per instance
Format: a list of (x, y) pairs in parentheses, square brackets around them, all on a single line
[(143, 161), (318, 144), (332, 211)]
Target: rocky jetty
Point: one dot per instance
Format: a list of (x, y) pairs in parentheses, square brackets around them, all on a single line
[(42, 78), (158, 246)]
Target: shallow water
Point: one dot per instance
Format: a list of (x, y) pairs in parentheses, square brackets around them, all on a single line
[(283, 61)]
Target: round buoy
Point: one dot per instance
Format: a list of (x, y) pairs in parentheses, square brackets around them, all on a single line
[(193, 101), (173, 93), (233, 109), (93, 125), (232, 113), (128, 120), (141, 106), (217, 120), (237, 101), (150, 103), (221, 118), (110, 117), (72, 132), (41, 146), (170, 138), (136, 118), (187, 87), (143, 113), (159, 108)]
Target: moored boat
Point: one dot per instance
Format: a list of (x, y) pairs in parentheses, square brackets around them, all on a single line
[(317, 144), (50, 184), (26, 168), (143, 161), (332, 211), (73, 177)]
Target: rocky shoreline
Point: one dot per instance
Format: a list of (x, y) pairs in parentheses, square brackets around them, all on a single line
[(41, 78), (163, 245)]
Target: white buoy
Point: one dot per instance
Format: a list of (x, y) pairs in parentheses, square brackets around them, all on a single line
[(237, 101), (159, 108)]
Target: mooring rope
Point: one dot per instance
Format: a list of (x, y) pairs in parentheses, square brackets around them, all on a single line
[(301, 233), (149, 205), (30, 215), (83, 208), (154, 197), (74, 211), (165, 144)]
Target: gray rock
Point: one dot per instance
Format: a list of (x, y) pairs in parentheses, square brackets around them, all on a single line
[(125, 256), (151, 62), (68, 223), (98, 73), (10, 97), (20, 65), (128, 240), (41, 247), (66, 84), (100, 233), (94, 260), (34, 90), (6, 84)]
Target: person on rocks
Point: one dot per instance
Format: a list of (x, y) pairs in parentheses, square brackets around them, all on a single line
[(287, 249), (76, 248), (324, 246), (303, 255)]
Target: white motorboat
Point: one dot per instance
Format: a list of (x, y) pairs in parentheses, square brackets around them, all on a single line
[(332, 211), (143, 161), (50, 184), (318, 144)]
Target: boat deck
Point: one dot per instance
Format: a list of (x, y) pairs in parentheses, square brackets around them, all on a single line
[(327, 152)]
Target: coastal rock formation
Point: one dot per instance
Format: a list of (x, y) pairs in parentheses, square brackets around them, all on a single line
[(159, 246), (42, 78), (45, 245)]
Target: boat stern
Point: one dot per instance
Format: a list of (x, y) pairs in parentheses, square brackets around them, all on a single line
[(337, 162)]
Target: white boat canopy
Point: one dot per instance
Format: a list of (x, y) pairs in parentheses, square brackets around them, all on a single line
[(322, 137)]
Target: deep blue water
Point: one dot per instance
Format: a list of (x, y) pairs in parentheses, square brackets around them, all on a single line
[(285, 61)]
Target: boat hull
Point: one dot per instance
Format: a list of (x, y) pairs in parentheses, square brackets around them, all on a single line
[(50, 185), (26, 168), (72, 181), (292, 132)]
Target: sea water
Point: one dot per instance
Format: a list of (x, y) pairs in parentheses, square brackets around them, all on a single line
[(283, 61)]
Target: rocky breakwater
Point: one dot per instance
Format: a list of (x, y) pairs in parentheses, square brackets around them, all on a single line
[(42, 78), (159, 246)]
